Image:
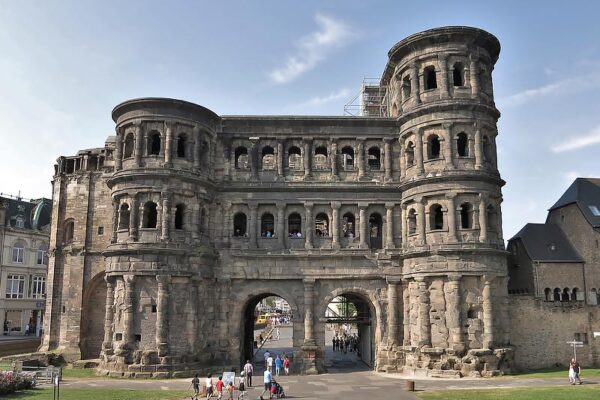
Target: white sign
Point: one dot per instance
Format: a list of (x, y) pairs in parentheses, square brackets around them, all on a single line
[(596, 334), (574, 342), (229, 377)]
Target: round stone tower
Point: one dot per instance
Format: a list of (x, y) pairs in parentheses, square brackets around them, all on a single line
[(161, 189), (454, 270)]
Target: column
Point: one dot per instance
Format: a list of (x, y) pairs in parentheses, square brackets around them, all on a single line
[(253, 243), (424, 306), (444, 90), (335, 224), (478, 148), (482, 219), (139, 143), (162, 314), (414, 77), (494, 154), (448, 153), (362, 207), (499, 224), (308, 226), (392, 316), (281, 225), (168, 147), (109, 314), (192, 320), (254, 160), (401, 162), (421, 220), (406, 313), (333, 160), (505, 313), (453, 314), (488, 312), (115, 220), (226, 223), (450, 197), (474, 76), (387, 154), (128, 305), (134, 218), (280, 159), (404, 232), (389, 225), (307, 157), (309, 298), (119, 150), (197, 146), (227, 166), (419, 151), (166, 218), (360, 157)]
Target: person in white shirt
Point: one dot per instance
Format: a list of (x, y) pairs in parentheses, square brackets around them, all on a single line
[(209, 388), (270, 363), (248, 371), (267, 355)]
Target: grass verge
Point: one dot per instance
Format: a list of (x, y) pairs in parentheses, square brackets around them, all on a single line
[(100, 394), (543, 393), (556, 373)]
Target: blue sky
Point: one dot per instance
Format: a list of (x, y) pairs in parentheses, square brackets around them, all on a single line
[(65, 64)]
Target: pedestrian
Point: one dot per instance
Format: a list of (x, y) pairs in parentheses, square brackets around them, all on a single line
[(270, 363), (278, 365), (286, 365), (267, 355), (196, 387), (230, 390), (209, 386), (333, 343), (277, 333), (219, 385), (242, 390), (27, 330), (267, 379), (574, 371), (248, 371)]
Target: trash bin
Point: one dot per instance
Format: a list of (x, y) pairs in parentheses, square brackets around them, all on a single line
[(409, 386)]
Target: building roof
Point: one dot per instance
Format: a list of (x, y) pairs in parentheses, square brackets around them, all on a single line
[(547, 243), (35, 213), (585, 192)]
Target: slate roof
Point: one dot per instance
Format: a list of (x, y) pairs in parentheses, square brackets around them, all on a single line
[(584, 192), (547, 243), (36, 213)]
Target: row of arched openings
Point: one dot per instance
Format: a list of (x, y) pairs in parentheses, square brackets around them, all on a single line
[(153, 145), (436, 217), (434, 148), (559, 294), (430, 79), (150, 216)]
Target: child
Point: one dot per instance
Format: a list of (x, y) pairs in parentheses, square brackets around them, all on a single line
[(242, 389), (219, 386), (209, 388), (286, 365), (230, 390), (196, 384)]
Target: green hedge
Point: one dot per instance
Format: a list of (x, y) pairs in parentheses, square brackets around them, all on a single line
[(11, 382)]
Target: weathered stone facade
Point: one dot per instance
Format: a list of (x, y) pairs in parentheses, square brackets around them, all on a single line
[(185, 219)]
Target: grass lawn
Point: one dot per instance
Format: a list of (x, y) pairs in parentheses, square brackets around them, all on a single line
[(544, 393), (557, 373), (79, 373), (101, 394)]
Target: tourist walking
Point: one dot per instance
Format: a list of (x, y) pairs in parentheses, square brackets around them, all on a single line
[(195, 384), (286, 365), (270, 363), (267, 355), (248, 372), (209, 386), (333, 343), (267, 380), (230, 390), (278, 365), (219, 385), (574, 371)]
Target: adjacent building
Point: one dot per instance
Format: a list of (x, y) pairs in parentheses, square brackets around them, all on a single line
[(24, 232)]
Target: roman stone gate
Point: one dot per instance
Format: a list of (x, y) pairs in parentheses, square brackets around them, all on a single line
[(192, 218)]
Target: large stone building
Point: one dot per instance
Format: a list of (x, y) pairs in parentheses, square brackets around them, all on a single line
[(165, 239), (24, 226)]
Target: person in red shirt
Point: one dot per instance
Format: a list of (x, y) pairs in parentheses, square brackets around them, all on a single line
[(220, 386)]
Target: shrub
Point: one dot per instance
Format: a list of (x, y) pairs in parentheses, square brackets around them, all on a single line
[(11, 382)]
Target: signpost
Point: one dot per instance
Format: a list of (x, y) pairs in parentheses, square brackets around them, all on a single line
[(575, 345)]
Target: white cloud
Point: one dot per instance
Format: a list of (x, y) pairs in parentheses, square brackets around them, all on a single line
[(334, 96), (313, 48), (587, 139)]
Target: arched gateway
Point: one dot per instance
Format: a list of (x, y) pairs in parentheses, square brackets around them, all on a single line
[(192, 218)]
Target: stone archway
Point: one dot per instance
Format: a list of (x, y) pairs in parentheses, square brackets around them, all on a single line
[(92, 317)]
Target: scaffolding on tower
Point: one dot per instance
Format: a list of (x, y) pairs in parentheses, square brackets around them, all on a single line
[(371, 101)]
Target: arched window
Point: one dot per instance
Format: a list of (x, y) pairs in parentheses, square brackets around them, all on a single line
[(458, 74), (150, 215), (128, 146), (436, 217), (556, 294), (462, 144), (320, 161), (240, 223), (565, 295), (410, 154), (548, 294), (394, 111), (375, 228), (179, 216), (487, 149), (154, 143), (18, 251), (374, 161), (492, 218), (322, 225), (124, 215), (348, 225), (574, 294), (473, 312), (294, 225), (406, 88), (466, 216), (412, 221), (348, 158), (268, 158), (241, 158), (294, 158), (181, 145), (430, 78), (267, 225), (433, 147), (69, 230)]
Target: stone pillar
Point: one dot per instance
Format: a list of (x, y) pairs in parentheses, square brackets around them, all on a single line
[(280, 159), (362, 207), (166, 218), (168, 147), (499, 223), (482, 219), (404, 232), (197, 146), (360, 157), (128, 308), (139, 144), (406, 313), (392, 315), (424, 306), (307, 157), (253, 228), (192, 321), (419, 151), (414, 77), (450, 197), (308, 226), (453, 314), (115, 220), (254, 160), (448, 153), (226, 223), (474, 76), (488, 312), (389, 225), (162, 314), (401, 155), (109, 314), (227, 156), (335, 224), (444, 85), (119, 150), (309, 299), (333, 160), (281, 225), (478, 148), (134, 219), (387, 154), (505, 313), (421, 220)]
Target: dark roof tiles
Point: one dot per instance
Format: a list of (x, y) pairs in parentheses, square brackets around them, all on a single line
[(547, 242)]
